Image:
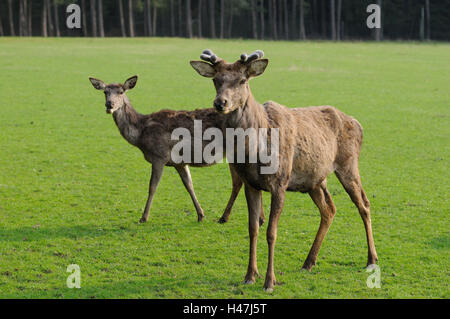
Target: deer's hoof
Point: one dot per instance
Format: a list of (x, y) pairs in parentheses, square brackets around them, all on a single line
[(249, 281), (371, 266), (222, 220), (268, 289), (308, 265), (142, 220), (261, 222), (200, 218)]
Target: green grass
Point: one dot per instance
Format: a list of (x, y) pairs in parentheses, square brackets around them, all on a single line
[(72, 190)]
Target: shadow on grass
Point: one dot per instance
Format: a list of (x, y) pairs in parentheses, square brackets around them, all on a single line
[(441, 242), (71, 232), (154, 287)]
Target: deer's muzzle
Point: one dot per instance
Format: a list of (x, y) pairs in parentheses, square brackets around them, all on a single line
[(220, 104)]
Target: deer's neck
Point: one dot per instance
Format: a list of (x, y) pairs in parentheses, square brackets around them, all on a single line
[(129, 123), (252, 114)]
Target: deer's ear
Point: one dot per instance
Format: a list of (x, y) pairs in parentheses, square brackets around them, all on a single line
[(130, 83), (203, 68), (257, 67), (98, 84)]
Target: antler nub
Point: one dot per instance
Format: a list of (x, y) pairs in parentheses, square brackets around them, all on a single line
[(258, 54), (209, 56)]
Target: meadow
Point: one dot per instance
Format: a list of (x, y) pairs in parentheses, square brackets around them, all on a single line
[(72, 189)]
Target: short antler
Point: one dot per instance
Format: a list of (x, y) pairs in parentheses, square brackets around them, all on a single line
[(209, 56), (258, 54)]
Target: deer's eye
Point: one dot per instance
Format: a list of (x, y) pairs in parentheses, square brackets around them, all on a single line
[(242, 82)]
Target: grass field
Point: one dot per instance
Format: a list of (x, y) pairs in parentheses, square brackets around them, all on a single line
[(72, 190)]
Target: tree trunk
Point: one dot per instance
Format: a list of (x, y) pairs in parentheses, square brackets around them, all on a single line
[(188, 19), (147, 19), (270, 9), (274, 22), (333, 20), (379, 31), (180, 29), (30, 18), (199, 21), (230, 21), (286, 20), (280, 17), (422, 23), (50, 19), (101, 28), (293, 19), (146, 33), (314, 20), (302, 20), (155, 16), (21, 18), (254, 23), (84, 22), (130, 18), (93, 18), (261, 18), (323, 21), (122, 19), (1, 28), (25, 18), (151, 30), (427, 14), (44, 19), (338, 23), (172, 19), (222, 18), (11, 19), (212, 18), (55, 10)]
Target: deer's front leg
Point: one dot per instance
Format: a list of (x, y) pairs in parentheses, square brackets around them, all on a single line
[(276, 207), (157, 170), (253, 198), (237, 184)]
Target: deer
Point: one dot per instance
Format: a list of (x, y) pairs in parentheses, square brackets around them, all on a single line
[(151, 134), (313, 143)]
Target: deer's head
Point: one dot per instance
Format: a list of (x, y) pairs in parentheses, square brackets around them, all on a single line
[(114, 93), (230, 79)]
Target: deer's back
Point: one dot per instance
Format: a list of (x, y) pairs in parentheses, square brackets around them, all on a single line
[(159, 126), (322, 136)]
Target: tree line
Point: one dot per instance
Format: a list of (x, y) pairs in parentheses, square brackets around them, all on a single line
[(257, 19)]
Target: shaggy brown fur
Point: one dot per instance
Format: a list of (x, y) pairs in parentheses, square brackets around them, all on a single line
[(152, 135), (313, 143)]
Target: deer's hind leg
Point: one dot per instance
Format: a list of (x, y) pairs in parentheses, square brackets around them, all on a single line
[(237, 185), (185, 175), (350, 179), (323, 201)]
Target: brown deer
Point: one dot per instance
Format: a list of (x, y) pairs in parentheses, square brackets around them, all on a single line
[(152, 135), (313, 143)]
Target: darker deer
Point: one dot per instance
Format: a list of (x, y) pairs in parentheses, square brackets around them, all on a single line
[(313, 143), (152, 135)]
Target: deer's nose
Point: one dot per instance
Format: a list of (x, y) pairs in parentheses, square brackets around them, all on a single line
[(108, 104), (220, 103)]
